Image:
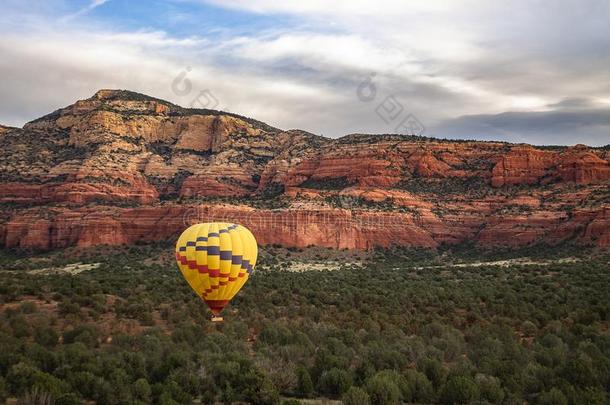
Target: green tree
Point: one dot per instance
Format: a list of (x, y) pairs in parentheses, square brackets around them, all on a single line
[(528, 328), (355, 396), (552, 397), (400, 381), (580, 373), (490, 388), (21, 377), (433, 370), (85, 334), (459, 390), (334, 382), (593, 396), (46, 336), (141, 390), (264, 394), (228, 395), (69, 398), (21, 327), (3, 391), (36, 396), (166, 399), (382, 390), (304, 383), (419, 386)]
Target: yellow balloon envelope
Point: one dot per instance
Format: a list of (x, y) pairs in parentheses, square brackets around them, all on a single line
[(216, 260)]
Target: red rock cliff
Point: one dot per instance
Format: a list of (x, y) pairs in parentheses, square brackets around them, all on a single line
[(122, 167)]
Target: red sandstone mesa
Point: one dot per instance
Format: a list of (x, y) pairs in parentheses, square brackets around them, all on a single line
[(121, 167)]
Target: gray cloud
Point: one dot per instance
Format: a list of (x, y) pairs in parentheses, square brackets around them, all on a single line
[(525, 71), (557, 127), (575, 103)]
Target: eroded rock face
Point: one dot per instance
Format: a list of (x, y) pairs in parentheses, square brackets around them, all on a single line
[(122, 167), (329, 227), (583, 167), (228, 180), (527, 165), (522, 165)]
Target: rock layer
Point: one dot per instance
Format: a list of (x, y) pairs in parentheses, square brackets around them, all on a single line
[(121, 168)]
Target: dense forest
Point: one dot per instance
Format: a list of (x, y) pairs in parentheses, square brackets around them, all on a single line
[(384, 327)]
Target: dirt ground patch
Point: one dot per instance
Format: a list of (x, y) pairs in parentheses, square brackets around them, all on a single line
[(299, 267), (521, 261), (73, 269)]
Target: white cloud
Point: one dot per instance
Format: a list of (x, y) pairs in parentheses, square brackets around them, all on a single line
[(343, 7), (46, 72), (93, 5), (441, 59)]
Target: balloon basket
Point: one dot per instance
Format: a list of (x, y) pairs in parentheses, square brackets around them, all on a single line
[(217, 318)]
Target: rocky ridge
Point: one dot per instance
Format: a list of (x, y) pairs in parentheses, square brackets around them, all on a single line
[(121, 167)]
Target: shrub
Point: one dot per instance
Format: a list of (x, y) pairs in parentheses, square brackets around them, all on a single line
[(334, 382), (420, 387), (263, 393), (355, 396), (552, 397), (3, 392), (528, 328), (304, 383), (459, 390), (383, 391), (433, 370), (67, 307), (593, 396), (46, 336), (141, 390), (490, 388), (400, 382), (86, 334), (26, 379), (36, 396), (28, 307), (68, 399)]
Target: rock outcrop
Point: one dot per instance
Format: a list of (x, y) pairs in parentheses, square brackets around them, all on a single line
[(4, 129), (527, 165), (121, 168)]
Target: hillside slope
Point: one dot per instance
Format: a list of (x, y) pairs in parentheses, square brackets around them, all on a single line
[(121, 167)]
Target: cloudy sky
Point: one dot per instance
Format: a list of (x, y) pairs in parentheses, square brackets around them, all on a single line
[(523, 70)]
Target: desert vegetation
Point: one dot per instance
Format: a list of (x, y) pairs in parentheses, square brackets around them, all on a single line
[(403, 326)]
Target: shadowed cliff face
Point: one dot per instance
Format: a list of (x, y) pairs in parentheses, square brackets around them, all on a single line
[(122, 167)]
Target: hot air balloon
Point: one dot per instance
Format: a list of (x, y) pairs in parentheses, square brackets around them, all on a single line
[(216, 259)]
